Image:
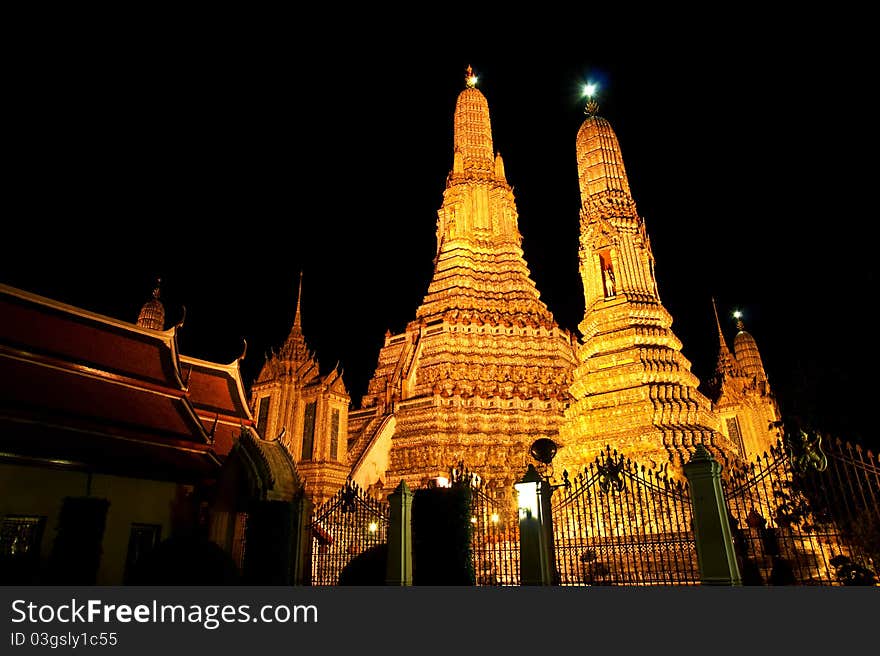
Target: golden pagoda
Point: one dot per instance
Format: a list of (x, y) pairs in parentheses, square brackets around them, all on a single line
[(633, 389), (483, 370)]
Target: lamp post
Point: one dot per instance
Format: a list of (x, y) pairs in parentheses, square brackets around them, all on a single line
[(535, 540)]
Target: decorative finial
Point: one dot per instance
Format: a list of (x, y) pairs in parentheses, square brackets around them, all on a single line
[(470, 79), (297, 320), (156, 290), (592, 107)]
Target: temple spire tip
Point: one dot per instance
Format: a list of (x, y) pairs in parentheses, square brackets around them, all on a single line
[(297, 319), (469, 78)]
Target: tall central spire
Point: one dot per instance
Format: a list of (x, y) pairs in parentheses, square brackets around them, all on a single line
[(473, 129), (478, 239), (483, 370)]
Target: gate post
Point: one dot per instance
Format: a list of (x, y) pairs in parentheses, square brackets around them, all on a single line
[(301, 565), (399, 568), (715, 552), (535, 559)]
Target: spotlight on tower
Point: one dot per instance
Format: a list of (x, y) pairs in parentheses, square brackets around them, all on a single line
[(590, 89), (737, 314), (472, 80)]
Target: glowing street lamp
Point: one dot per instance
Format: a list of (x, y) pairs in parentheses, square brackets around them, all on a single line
[(528, 491)]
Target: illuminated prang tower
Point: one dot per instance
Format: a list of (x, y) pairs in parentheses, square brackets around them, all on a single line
[(741, 394), (633, 389), (483, 370)]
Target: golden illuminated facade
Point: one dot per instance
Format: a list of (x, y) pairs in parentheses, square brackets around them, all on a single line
[(633, 389), (484, 369), (307, 412)]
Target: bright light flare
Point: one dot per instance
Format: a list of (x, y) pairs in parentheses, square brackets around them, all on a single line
[(494, 518), (373, 527), (590, 89), (472, 80), (737, 315)]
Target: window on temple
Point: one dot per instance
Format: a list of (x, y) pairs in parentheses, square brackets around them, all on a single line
[(334, 435), (309, 431), (609, 283), (142, 539), (263, 416), (735, 435), (20, 539)]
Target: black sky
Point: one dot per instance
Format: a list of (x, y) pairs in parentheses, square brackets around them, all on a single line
[(227, 164)]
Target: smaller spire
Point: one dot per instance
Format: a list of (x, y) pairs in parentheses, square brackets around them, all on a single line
[(718, 324), (152, 314), (727, 363), (294, 347), (297, 319), (470, 79)]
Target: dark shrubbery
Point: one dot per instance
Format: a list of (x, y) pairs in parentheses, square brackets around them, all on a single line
[(442, 537), (367, 568)]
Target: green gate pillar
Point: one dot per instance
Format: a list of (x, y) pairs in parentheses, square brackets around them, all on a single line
[(535, 535), (399, 571), (301, 566), (715, 552)]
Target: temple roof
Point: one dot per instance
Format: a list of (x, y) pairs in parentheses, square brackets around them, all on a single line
[(217, 394), (90, 391)]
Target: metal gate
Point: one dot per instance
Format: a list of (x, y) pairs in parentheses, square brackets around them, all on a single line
[(622, 524), (344, 527), (801, 516), (494, 530)]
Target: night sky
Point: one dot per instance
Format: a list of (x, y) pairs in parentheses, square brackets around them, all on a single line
[(226, 171)]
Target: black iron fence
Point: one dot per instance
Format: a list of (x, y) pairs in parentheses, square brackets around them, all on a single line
[(806, 513), (622, 524), (343, 528)]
